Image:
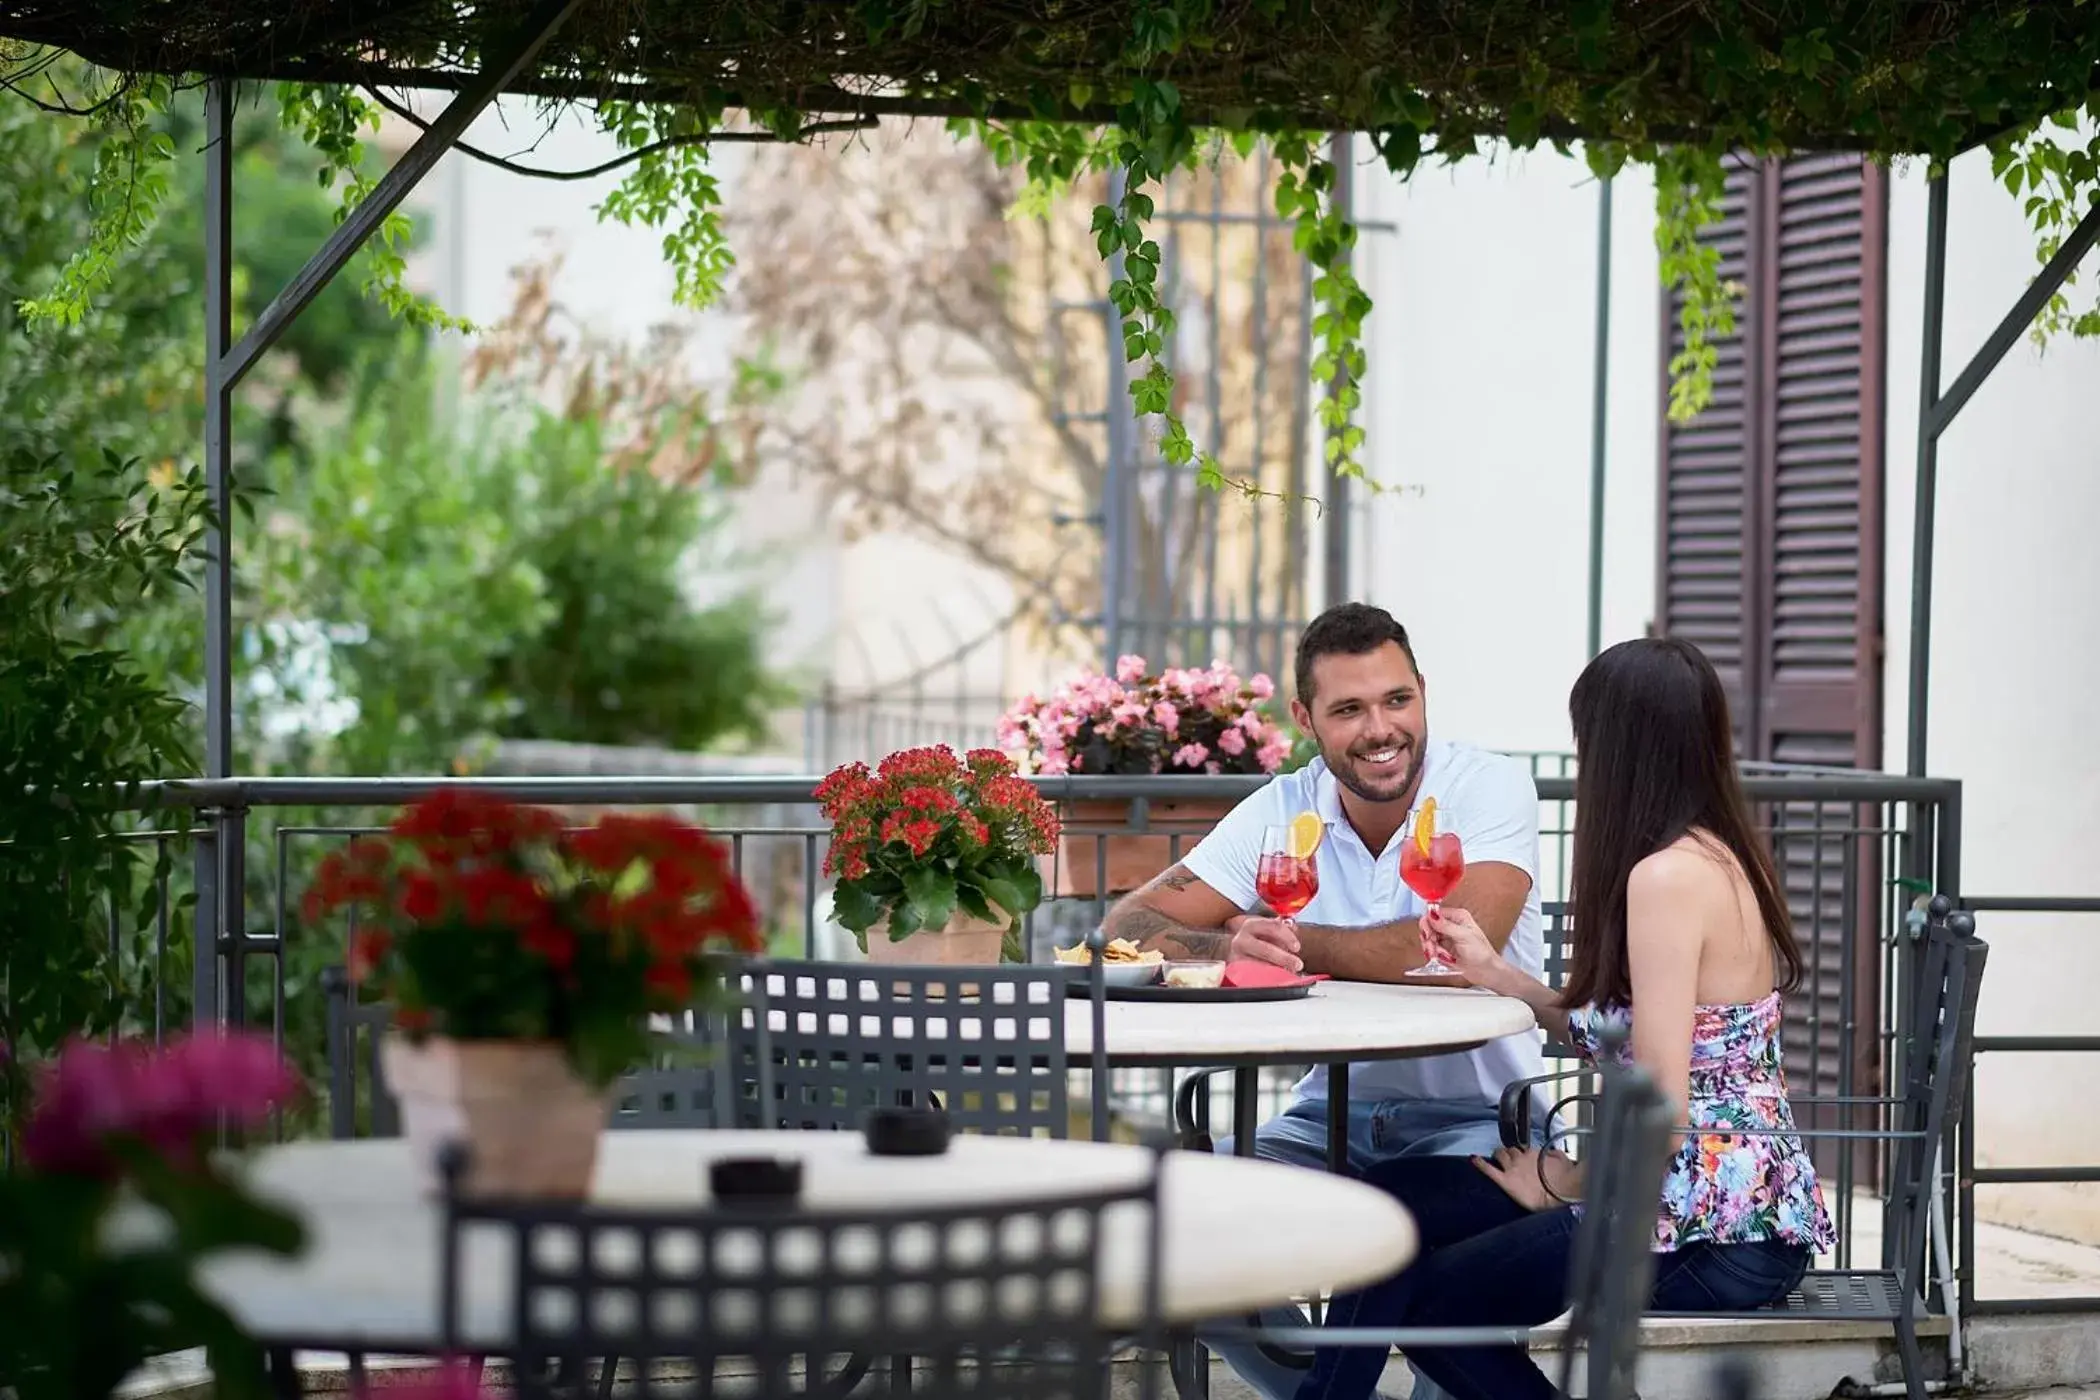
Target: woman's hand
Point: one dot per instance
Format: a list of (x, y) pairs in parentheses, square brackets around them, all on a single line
[(1463, 944), (1533, 1179)]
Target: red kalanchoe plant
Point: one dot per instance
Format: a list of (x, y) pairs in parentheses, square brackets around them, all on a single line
[(927, 833), (484, 920)]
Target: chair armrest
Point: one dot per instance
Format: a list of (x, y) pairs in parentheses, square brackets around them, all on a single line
[(1513, 1117), (1188, 1134)]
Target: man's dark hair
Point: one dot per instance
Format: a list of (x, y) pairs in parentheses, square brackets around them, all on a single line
[(1347, 629)]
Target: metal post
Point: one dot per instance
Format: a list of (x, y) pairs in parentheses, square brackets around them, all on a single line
[(502, 67), (1600, 386), (1337, 506), (1928, 469), (1116, 496), (218, 439), (205, 923)]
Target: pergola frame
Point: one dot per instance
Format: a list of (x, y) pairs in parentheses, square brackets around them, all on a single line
[(509, 66)]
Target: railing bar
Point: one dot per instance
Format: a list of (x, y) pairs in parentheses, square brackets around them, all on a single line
[(2032, 1176), (284, 866), (809, 894), (161, 870), (117, 999)]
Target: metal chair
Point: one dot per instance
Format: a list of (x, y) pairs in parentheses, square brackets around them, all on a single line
[(993, 1300), (819, 1045), (1926, 1114), (1611, 1266), (1612, 1269)]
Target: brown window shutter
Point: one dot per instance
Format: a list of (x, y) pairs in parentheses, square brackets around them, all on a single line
[(1770, 534)]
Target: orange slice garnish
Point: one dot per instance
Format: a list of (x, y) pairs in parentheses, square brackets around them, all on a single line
[(1307, 830), (1425, 824)]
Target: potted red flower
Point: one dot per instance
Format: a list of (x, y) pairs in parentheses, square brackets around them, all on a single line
[(935, 854), (523, 961)]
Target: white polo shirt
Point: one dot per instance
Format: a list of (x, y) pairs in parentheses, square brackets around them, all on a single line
[(1490, 800)]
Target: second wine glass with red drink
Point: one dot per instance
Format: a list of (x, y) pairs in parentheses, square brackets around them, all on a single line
[(1288, 875), (1432, 861)]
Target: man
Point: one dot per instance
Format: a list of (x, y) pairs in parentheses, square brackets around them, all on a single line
[(1362, 700)]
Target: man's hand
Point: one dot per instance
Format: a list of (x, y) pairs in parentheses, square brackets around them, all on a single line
[(1265, 939)]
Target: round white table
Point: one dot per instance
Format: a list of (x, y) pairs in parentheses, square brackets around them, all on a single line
[(1334, 1024), (369, 1280)]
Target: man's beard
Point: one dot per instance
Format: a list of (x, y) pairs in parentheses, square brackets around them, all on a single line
[(1345, 773)]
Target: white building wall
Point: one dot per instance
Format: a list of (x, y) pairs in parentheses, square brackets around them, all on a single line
[(1480, 354)]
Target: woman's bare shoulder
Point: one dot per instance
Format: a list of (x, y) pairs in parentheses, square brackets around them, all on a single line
[(1694, 866)]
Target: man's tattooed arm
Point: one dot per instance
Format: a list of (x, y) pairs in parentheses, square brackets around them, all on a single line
[(1177, 914)]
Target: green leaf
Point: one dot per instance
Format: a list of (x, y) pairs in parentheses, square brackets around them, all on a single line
[(970, 898), (855, 907), (1004, 894), (931, 891)]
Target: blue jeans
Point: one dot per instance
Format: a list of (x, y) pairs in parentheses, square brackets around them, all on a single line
[(1488, 1262), (1380, 1131)]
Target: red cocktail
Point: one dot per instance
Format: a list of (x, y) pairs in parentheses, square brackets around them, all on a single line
[(1432, 861), (1286, 883), (1435, 873)]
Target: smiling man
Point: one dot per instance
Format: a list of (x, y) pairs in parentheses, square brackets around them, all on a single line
[(1362, 699)]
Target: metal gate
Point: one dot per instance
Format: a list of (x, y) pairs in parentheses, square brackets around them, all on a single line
[(1190, 574)]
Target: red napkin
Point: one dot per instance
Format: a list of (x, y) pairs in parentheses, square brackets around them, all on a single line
[(1248, 972)]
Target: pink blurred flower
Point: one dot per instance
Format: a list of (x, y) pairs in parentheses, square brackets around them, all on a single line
[(1167, 718), (1260, 686), (1272, 754), (1233, 742), (1191, 756), (452, 1380), (169, 1100), (1130, 669)]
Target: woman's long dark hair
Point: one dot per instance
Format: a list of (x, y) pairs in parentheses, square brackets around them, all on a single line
[(1655, 761)]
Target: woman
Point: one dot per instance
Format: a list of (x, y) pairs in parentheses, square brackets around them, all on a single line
[(1681, 934)]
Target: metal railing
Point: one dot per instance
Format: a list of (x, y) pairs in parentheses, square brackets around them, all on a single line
[(1857, 850), (1970, 1175)]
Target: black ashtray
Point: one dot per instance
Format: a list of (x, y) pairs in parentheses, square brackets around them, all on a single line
[(907, 1132), (756, 1180)]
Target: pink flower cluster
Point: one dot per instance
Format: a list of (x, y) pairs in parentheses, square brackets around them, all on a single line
[(1183, 719), (168, 1101)]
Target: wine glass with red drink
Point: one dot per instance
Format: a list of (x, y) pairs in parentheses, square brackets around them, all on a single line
[(1432, 859), (1285, 879)]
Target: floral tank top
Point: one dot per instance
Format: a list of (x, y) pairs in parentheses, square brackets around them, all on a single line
[(1719, 1188)]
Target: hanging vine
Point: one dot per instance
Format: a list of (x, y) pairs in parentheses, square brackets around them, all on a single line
[(1688, 186), (1143, 88)]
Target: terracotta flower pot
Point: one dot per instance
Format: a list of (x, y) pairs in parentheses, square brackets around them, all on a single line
[(530, 1123), (964, 942), (1131, 860)]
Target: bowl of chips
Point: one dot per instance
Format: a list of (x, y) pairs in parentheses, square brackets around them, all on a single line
[(1122, 964)]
